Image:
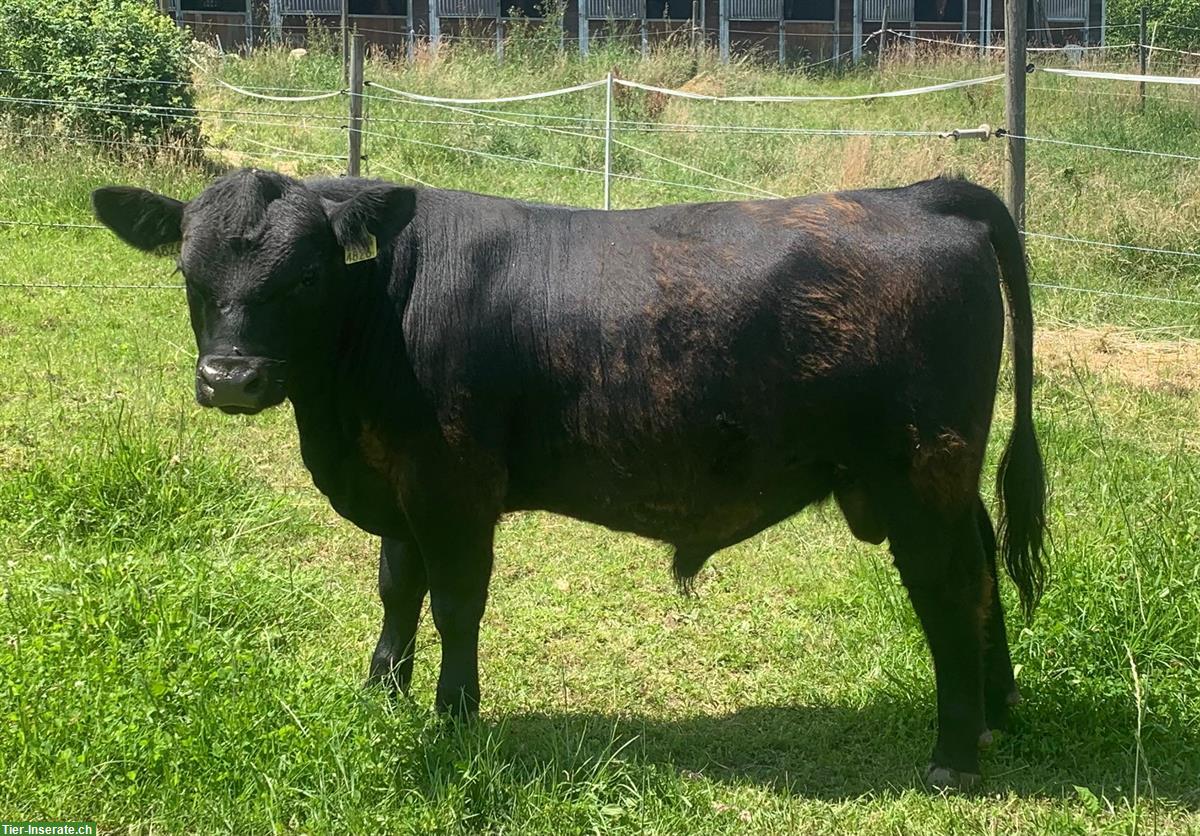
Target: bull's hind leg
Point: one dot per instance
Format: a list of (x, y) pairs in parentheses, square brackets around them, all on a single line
[(941, 560), (1000, 685), (402, 587)]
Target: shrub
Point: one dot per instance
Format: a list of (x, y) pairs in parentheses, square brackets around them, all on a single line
[(1179, 21), (120, 64)]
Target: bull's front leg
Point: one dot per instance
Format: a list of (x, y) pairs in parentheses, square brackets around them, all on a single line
[(452, 502), (458, 564), (402, 588)]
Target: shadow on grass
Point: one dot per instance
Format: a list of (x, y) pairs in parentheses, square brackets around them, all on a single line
[(1059, 741)]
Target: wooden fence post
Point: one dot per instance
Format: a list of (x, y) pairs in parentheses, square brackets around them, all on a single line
[(1014, 110)]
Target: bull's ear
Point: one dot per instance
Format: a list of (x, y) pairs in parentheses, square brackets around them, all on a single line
[(144, 219), (374, 212)]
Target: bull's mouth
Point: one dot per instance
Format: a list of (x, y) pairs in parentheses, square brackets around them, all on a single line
[(249, 405), (234, 409)]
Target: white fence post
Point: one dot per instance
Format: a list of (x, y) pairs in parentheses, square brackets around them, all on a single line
[(411, 47), (435, 27), (499, 31), (856, 31), (354, 133), (345, 25), (583, 28), (724, 31), (608, 103)]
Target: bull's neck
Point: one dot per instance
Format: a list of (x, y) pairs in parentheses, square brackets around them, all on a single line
[(336, 385)]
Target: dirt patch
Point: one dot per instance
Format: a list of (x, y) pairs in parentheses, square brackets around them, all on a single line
[(1161, 365), (679, 111)]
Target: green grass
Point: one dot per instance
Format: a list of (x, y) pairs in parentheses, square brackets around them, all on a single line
[(184, 624)]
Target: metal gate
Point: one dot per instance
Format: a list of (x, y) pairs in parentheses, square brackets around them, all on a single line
[(752, 10), (897, 10), (1066, 10), (612, 10), (312, 7)]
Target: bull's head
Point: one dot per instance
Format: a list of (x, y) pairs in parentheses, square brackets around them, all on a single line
[(263, 257)]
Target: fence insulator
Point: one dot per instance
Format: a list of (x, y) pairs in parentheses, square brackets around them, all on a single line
[(981, 133)]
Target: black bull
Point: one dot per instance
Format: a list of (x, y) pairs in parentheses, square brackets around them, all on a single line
[(690, 373)]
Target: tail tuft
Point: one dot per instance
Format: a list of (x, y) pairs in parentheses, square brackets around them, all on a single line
[(1021, 491)]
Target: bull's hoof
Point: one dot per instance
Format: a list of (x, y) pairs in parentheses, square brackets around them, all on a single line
[(1013, 697), (945, 779), (986, 739), (456, 717), (389, 674), (462, 709)]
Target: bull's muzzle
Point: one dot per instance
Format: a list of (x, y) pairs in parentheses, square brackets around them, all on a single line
[(239, 385)]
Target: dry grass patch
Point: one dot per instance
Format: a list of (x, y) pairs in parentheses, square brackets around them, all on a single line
[(1171, 366)]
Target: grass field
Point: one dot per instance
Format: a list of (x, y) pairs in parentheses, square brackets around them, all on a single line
[(185, 624)]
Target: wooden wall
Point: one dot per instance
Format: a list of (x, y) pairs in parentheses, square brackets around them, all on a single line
[(230, 28)]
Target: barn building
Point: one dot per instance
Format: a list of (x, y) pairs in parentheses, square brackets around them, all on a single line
[(794, 30)]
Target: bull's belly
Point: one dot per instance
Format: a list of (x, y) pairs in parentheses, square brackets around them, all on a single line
[(678, 508)]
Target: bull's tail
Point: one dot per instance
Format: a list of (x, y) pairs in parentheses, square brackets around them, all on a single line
[(1021, 478)]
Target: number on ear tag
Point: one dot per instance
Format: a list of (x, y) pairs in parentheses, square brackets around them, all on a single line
[(362, 253)]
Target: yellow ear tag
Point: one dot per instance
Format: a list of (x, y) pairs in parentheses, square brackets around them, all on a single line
[(362, 253)]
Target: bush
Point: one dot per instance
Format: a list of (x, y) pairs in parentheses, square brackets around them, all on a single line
[(121, 64), (1178, 21)]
